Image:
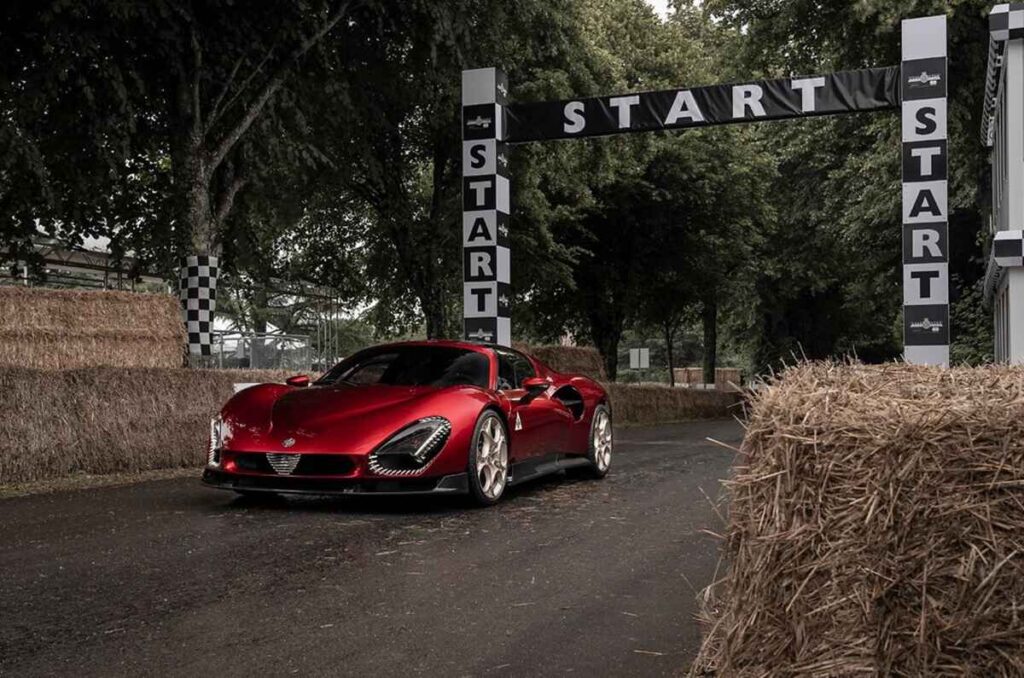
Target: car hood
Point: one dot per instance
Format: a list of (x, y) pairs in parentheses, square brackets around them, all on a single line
[(319, 408), (338, 419)]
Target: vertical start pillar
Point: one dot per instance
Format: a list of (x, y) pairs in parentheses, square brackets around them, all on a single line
[(924, 88), (485, 207)]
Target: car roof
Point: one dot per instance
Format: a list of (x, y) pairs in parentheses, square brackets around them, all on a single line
[(447, 343), (478, 346), (454, 343)]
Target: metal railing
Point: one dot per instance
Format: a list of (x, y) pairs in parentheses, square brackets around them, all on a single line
[(261, 351)]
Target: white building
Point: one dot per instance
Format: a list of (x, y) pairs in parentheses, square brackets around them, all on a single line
[(1003, 133)]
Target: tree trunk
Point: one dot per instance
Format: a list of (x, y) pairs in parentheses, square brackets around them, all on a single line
[(199, 217), (667, 326), (194, 208), (709, 318), (434, 315), (606, 333), (609, 350), (260, 300)]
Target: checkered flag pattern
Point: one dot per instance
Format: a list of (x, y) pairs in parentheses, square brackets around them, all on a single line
[(1005, 22), (1008, 248), (198, 289)]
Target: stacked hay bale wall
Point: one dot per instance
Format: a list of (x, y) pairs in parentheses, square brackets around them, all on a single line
[(583, 360), (58, 423), (61, 329), (876, 527), (636, 404)]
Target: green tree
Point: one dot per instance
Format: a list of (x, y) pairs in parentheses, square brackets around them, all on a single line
[(829, 264)]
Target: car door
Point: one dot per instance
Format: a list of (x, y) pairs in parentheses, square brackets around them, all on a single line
[(539, 425)]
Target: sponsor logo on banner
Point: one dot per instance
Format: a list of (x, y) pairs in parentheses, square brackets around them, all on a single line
[(482, 329), (924, 80), (927, 325)]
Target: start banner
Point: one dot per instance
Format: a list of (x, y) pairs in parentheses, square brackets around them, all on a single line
[(872, 89)]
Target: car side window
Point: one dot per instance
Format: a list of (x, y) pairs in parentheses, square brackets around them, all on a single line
[(513, 369), (506, 372), (523, 368)]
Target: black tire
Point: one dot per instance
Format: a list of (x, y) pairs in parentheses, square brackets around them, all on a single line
[(481, 492), (598, 469)]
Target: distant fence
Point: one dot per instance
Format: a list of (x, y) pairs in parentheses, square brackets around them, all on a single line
[(726, 378), (246, 350)]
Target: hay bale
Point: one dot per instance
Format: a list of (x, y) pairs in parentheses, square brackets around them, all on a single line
[(585, 360), (59, 423), (876, 527), (657, 404), (63, 329)]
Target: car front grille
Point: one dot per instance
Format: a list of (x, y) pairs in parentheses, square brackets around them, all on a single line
[(294, 464)]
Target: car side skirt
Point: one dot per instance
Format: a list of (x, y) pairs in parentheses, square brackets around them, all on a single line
[(531, 469)]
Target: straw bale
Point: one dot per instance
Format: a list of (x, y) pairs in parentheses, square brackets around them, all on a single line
[(58, 423), (651, 404), (585, 360), (53, 329), (876, 527)]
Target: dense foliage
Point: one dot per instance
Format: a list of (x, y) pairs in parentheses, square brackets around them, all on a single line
[(316, 143)]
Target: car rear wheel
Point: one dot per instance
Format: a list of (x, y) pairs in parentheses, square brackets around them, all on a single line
[(600, 449), (488, 459)]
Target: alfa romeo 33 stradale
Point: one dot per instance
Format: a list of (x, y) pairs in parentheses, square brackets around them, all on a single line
[(441, 417)]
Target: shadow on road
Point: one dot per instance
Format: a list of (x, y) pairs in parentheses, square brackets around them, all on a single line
[(389, 504)]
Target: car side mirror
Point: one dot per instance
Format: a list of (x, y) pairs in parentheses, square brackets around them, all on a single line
[(298, 381), (534, 386)]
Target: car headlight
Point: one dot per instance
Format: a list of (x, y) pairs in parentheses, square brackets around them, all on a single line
[(216, 441), (411, 449)]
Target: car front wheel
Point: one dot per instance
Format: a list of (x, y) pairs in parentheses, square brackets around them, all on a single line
[(488, 459)]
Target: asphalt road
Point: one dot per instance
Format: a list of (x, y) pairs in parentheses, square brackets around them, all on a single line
[(590, 578)]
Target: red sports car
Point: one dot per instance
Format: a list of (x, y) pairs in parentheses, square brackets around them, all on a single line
[(409, 418)]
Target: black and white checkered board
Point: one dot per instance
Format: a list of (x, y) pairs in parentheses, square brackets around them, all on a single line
[(198, 289), (1008, 248), (1006, 21)]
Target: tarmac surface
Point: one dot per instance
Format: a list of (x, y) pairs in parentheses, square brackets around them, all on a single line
[(590, 578)]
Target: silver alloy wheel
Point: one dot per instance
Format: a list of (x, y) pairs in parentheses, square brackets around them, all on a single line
[(602, 441), (492, 458)]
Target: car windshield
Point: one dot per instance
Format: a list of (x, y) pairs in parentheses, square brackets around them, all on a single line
[(412, 366)]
